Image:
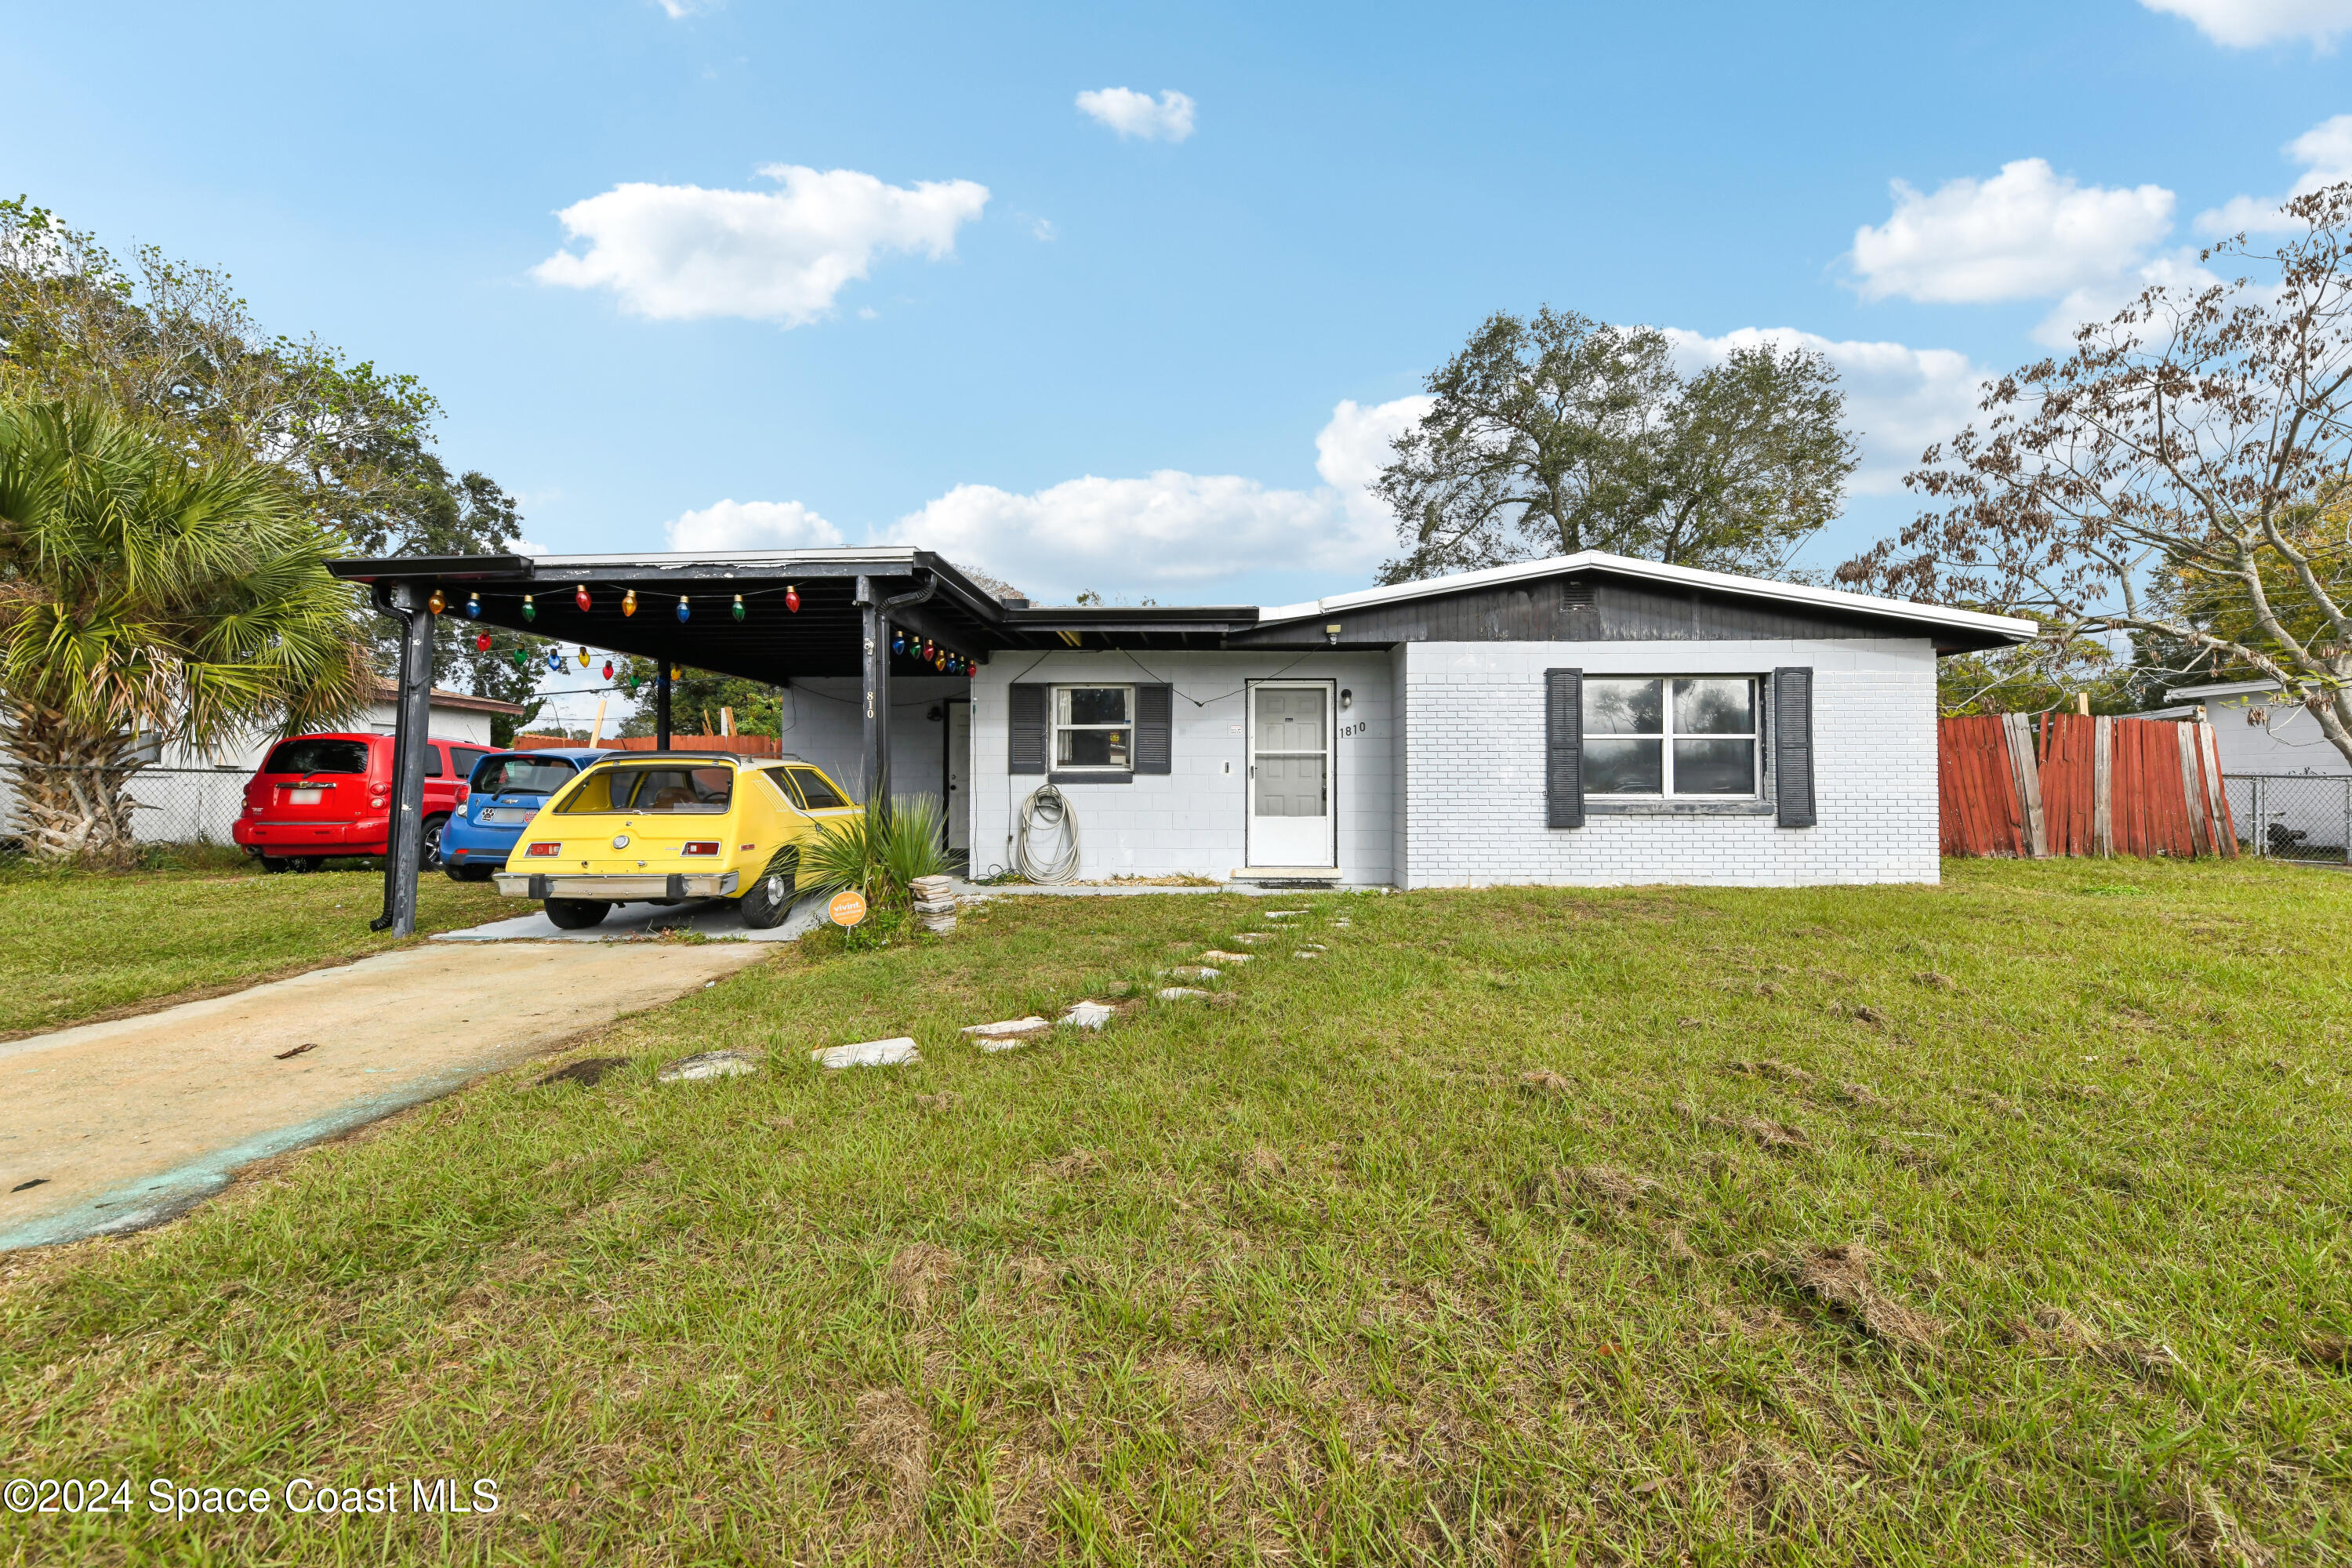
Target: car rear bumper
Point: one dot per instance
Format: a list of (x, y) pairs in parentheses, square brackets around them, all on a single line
[(618, 888), (265, 837)]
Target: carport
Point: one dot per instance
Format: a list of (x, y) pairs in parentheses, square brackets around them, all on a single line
[(759, 615)]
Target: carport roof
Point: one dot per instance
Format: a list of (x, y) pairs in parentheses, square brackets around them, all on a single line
[(823, 637)]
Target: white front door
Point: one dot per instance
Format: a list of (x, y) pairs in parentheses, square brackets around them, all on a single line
[(1291, 819)]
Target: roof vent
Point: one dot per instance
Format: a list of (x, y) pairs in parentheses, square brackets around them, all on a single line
[(1576, 593)]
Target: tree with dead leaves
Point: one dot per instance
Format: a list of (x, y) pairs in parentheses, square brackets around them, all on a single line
[(2182, 475)]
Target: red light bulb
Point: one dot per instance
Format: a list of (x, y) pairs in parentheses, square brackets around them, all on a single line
[(482, 641), (580, 597), (791, 599), (608, 669)]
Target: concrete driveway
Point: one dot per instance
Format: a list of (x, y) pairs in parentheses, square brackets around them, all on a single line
[(113, 1126)]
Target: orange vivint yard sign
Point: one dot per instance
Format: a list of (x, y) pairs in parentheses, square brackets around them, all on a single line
[(846, 909)]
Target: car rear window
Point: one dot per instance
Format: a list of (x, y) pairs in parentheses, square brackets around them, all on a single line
[(667, 791), (522, 776), (315, 755), (814, 789)]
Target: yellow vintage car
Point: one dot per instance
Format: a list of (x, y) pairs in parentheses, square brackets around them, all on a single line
[(663, 826)]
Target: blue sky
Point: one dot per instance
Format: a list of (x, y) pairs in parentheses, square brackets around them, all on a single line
[(1153, 349)]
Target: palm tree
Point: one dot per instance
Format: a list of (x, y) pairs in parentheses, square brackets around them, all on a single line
[(150, 595)]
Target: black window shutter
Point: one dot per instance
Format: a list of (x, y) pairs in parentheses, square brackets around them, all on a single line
[(1792, 745), (1025, 710), (1563, 748), (1155, 716)]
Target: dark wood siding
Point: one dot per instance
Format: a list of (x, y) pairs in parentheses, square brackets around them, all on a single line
[(1593, 607)]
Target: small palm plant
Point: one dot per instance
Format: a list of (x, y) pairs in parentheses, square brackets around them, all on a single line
[(149, 595), (876, 857)]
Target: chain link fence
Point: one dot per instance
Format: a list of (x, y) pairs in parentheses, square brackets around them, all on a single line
[(170, 805), (2293, 816)]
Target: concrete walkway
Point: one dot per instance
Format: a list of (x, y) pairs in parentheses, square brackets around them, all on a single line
[(113, 1126), (714, 917)]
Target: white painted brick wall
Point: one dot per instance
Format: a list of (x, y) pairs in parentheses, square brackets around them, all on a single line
[(1472, 719), (824, 723), (1190, 821)]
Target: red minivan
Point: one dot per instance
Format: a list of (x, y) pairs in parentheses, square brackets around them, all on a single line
[(319, 795)]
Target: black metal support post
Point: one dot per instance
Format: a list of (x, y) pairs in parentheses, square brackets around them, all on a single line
[(876, 671), (412, 724), (661, 708)]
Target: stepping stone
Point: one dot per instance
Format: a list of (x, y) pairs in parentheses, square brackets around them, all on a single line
[(1286, 914), (709, 1064), (1181, 994), (1008, 1028), (1007, 1043), (1312, 947), (1226, 957), (1343, 921), (1254, 936), (1190, 971), (868, 1054), (1089, 1015), (1306, 955)]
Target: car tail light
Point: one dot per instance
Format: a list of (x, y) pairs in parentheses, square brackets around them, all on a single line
[(701, 847), (544, 850), (465, 793)]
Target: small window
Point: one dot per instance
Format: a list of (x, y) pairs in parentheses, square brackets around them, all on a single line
[(1691, 736), (522, 776), (815, 789), (465, 758), (668, 791), (433, 762), (1094, 728), (317, 756)]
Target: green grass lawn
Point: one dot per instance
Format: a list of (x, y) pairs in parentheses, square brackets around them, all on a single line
[(76, 945), (1999, 1222)]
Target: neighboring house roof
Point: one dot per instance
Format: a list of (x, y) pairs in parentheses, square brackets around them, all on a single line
[(385, 691), (2224, 689), (2009, 629)]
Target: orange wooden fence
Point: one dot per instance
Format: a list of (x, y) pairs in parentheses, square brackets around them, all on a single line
[(2067, 784)]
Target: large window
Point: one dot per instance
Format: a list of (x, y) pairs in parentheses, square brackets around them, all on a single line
[(1094, 728), (669, 791), (313, 755), (1670, 736)]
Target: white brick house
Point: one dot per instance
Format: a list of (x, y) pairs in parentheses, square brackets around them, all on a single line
[(1589, 718)]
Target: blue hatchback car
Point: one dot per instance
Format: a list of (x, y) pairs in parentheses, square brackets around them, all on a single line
[(506, 790)]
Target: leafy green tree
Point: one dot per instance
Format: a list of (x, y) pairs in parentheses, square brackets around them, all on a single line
[(146, 598), (697, 698), (2183, 477), (171, 342), (1560, 434)]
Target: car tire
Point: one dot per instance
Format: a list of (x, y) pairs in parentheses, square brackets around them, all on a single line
[(769, 898), (272, 865), (468, 873), (577, 914), (428, 848), (305, 864)]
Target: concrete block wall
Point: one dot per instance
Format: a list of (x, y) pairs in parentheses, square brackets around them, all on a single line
[(1193, 820), (1472, 718), (824, 723)]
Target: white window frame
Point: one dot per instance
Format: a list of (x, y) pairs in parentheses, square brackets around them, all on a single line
[(1758, 688), (1056, 728)]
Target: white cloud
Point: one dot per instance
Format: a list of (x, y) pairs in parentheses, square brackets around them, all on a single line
[(751, 525), (2246, 23), (681, 253), (679, 10), (2024, 234), (1130, 113), (1175, 531), (2326, 153), (1899, 400)]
